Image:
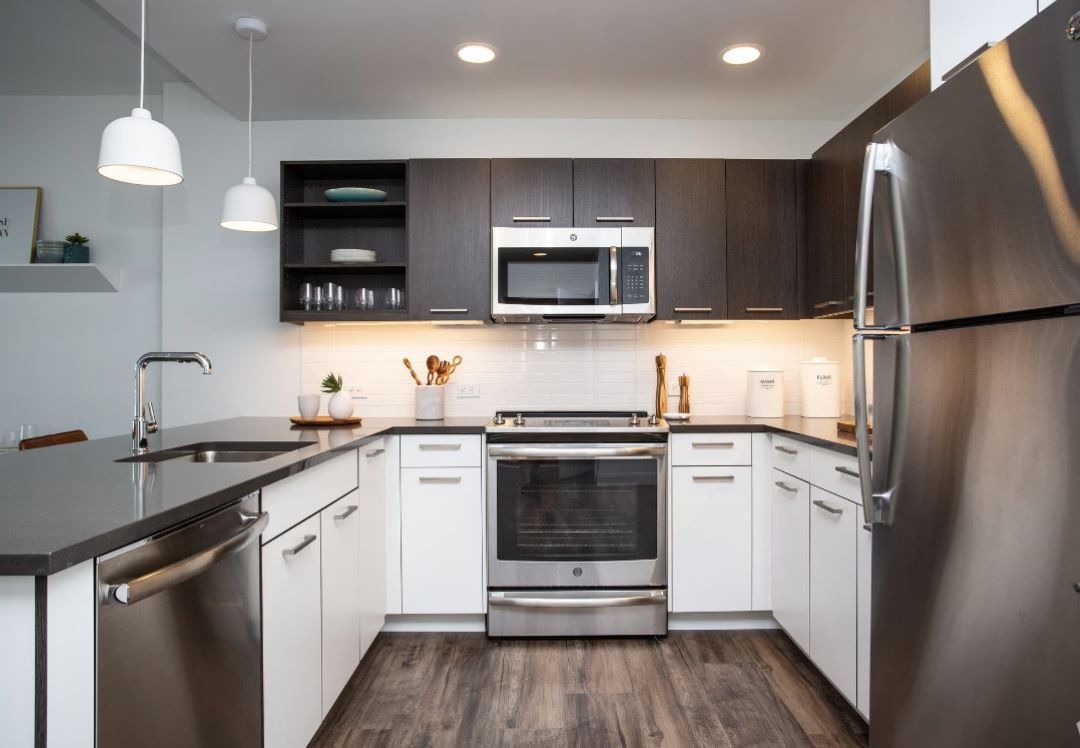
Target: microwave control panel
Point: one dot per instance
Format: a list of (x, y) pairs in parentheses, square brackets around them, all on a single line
[(634, 284)]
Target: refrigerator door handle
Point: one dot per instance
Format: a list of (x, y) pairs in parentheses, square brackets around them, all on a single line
[(875, 161), (880, 506)]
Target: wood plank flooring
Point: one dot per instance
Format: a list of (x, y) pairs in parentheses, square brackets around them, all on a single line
[(723, 688)]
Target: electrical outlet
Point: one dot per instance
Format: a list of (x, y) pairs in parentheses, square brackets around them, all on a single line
[(356, 391), (673, 388), (467, 390)]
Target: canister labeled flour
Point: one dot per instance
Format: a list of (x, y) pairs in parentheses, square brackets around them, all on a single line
[(820, 388), (765, 392)]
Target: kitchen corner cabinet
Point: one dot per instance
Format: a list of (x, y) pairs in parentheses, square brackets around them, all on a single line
[(762, 245), (372, 500), (691, 235), (864, 554), (532, 188), (791, 556), (341, 594), (449, 235), (614, 192)]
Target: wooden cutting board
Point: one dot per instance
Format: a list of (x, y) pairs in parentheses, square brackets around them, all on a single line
[(325, 421)]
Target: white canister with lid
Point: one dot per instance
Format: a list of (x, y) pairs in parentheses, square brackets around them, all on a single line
[(765, 392), (820, 388)]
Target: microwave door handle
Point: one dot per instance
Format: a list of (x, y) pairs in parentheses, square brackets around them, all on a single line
[(613, 271)]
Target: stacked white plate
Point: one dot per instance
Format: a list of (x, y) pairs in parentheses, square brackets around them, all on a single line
[(346, 254)]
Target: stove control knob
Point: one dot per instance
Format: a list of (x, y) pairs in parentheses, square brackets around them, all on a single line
[(519, 420), (654, 419), (499, 419), (635, 419)]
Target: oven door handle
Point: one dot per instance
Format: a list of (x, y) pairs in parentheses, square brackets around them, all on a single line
[(570, 453), (526, 600)]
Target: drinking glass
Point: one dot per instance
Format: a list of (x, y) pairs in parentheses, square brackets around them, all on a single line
[(307, 296), (330, 295), (365, 298), (394, 299), (28, 430), (9, 440), (339, 297), (318, 300)]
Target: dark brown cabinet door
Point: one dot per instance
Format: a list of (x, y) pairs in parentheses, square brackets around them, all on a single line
[(691, 261), (762, 260), (449, 208), (540, 188), (614, 192)]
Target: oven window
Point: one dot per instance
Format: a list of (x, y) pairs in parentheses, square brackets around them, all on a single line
[(576, 510), (553, 276)]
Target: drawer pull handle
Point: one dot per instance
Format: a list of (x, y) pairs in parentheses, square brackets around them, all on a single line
[(846, 471), (764, 309), (827, 304), (308, 540), (870, 528), (439, 479), (440, 447), (827, 507), (786, 487), (692, 309), (374, 453), (615, 219), (714, 478), (348, 510), (520, 219), (786, 450), (712, 445), (448, 310)]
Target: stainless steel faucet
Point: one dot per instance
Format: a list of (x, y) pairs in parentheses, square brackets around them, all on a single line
[(145, 422)]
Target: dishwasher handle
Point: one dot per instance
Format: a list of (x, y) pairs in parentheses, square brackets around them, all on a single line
[(135, 590)]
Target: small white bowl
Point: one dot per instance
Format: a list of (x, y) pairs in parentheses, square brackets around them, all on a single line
[(308, 405)]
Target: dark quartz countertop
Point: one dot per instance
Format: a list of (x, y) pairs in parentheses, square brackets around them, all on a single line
[(819, 431)]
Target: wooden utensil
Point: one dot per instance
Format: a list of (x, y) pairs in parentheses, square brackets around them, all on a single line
[(661, 385), (432, 364), (408, 366), (684, 393), (442, 373)]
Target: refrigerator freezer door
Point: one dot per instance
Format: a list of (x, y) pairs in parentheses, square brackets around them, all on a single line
[(979, 213), (976, 622)]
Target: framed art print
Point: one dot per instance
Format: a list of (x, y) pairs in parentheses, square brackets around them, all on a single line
[(19, 209)]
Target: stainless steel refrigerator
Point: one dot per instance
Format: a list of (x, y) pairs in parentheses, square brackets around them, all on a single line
[(971, 216)]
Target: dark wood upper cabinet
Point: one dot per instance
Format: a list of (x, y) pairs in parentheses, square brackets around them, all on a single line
[(540, 188), (614, 192), (762, 251), (691, 261), (449, 232)]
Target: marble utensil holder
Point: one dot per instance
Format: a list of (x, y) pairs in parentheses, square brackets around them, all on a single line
[(431, 402)]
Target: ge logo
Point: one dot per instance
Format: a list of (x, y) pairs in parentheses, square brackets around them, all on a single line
[(577, 571), (573, 237)]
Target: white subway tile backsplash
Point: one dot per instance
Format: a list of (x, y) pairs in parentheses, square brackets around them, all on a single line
[(572, 366)]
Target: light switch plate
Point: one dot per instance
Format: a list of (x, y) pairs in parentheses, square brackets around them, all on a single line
[(356, 391), (673, 388), (466, 390)]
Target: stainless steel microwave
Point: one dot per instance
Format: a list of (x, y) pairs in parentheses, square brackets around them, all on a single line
[(573, 275)]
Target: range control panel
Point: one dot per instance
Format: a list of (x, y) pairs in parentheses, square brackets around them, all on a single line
[(634, 283)]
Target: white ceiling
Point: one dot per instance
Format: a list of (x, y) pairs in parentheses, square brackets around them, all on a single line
[(71, 47), (329, 59)]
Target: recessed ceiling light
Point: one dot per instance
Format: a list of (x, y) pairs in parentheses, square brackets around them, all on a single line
[(475, 52), (740, 54)]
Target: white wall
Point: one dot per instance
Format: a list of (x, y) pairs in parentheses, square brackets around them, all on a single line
[(220, 287), (67, 358)]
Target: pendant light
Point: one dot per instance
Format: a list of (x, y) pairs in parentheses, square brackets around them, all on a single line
[(249, 207), (137, 149)]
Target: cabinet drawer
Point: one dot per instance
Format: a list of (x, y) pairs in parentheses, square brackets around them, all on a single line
[(710, 449), (304, 494), (440, 450), (835, 472), (791, 456)]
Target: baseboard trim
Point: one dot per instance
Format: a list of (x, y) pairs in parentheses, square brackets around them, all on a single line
[(434, 623), (720, 621)]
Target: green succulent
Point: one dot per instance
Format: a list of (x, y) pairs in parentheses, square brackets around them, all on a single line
[(332, 383), (76, 238)]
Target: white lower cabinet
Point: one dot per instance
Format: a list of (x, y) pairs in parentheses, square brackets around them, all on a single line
[(711, 539), (341, 524), (442, 540), (791, 556), (372, 575), (864, 553), (834, 522), (292, 635)]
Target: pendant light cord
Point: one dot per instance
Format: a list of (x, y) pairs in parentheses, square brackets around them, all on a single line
[(142, 56), (251, 97)]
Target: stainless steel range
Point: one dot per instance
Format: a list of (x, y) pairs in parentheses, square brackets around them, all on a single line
[(577, 524)]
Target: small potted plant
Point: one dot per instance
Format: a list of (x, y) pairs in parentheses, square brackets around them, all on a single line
[(341, 405), (75, 249)]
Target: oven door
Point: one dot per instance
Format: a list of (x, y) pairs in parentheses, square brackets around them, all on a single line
[(540, 274), (577, 515)]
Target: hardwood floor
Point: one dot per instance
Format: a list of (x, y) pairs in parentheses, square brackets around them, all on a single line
[(723, 688)]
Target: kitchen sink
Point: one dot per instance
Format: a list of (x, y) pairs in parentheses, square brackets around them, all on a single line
[(220, 452)]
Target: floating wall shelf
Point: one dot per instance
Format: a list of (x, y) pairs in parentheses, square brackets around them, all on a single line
[(58, 278)]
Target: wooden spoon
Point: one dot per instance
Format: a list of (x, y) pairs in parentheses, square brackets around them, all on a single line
[(432, 365), (443, 372), (408, 366)]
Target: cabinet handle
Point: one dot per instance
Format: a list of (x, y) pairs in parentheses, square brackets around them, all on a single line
[(440, 447), (714, 478), (692, 309), (374, 453), (440, 479), (966, 61), (870, 528), (449, 311), (519, 219), (828, 508), (786, 450), (764, 309), (614, 219), (846, 471), (308, 540), (786, 487), (717, 445), (349, 510), (827, 304)]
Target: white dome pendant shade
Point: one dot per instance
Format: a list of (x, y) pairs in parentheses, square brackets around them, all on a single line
[(137, 149), (247, 206)]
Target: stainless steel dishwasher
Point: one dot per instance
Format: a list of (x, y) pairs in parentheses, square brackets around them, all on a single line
[(179, 635)]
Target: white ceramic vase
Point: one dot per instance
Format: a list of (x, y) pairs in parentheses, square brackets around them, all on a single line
[(341, 406)]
